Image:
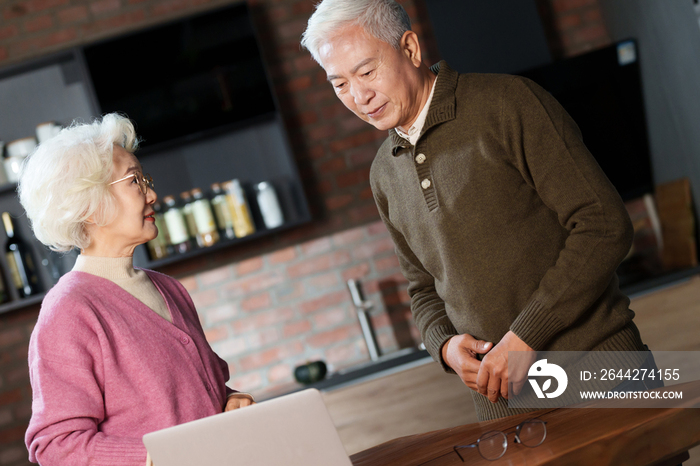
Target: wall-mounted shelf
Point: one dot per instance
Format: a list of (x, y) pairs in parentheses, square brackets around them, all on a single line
[(60, 88), (7, 188), (21, 303), (141, 256)]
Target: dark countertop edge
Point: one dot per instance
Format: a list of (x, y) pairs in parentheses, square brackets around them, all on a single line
[(367, 371), (654, 284)]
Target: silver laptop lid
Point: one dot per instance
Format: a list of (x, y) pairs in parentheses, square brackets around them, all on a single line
[(292, 430)]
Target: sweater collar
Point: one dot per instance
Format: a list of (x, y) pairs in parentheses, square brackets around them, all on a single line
[(111, 268), (442, 107)]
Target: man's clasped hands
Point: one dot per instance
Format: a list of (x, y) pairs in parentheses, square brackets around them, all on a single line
[(489, 376)]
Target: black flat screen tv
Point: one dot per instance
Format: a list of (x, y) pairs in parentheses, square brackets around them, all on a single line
[(184, 79), (602, 91)]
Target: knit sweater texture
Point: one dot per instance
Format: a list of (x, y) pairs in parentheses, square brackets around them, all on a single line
[(502, 220), (105, 370)]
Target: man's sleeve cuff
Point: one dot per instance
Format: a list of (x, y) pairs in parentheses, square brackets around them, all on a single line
[(435, 339), (536, 325)]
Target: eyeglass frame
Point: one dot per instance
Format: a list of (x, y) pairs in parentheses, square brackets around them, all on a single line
[(145, 181), (516, 431)]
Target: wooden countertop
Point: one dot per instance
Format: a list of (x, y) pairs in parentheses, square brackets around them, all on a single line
[(595, 434)]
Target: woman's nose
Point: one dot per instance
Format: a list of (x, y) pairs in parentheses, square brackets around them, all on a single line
[(151, 196)]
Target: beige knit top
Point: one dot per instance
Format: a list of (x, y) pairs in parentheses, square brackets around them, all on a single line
[(121, 271)]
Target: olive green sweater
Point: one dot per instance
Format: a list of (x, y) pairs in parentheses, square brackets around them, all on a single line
[(502, 220)]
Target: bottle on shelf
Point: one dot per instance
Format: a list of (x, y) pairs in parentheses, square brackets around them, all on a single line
[(19, 260), (158, 246), (242, 220), (188, 212), (207, 234), (222, 211), (269, 205), (177, 226)]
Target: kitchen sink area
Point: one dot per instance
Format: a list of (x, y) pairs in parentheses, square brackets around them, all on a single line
[(397, 361), (388, 364)]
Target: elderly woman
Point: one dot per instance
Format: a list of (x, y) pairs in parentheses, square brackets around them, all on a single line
[(117, 352)]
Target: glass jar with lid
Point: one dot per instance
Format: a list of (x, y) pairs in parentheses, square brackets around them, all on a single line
[(188, 212), (177, 226), (158, 247), (207, 234), (222, 212), (240, 211)]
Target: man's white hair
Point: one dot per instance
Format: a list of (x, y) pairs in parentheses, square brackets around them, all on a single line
[(384, 19), (65, 181)]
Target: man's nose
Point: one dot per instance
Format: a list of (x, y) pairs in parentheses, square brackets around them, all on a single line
[(361, 93)]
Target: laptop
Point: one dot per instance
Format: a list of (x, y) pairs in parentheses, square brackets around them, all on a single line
[(292, 430)]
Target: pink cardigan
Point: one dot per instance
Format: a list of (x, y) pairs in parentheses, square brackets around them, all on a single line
[(105, 370)]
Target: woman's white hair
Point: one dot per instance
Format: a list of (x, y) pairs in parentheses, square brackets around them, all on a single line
[(384, 19), (64, 182)]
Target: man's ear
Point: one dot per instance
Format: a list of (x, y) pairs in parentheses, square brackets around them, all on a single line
[(411, 47)]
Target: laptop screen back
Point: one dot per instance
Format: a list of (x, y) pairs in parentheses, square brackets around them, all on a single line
[(292, 430)]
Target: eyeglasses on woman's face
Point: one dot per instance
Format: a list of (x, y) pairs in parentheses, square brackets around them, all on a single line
[(492, 445), (143, 180)]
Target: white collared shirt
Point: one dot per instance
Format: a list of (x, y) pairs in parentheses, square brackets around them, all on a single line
[(417, 127)]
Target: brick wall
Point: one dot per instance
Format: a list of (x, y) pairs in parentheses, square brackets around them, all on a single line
[(268, 314), (15, 392), (283, 300), (572, 27)]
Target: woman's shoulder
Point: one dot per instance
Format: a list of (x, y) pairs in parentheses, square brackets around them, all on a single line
[(74, 286), (76, 293), (70, 311)]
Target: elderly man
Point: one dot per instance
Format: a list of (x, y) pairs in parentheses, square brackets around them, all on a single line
[(506, 228)]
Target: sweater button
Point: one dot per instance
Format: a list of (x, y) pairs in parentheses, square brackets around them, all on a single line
[(425, 184), (184, 340), (420, 158)]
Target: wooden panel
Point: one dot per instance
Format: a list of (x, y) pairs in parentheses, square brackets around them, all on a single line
[(669, 319), (675, 205)]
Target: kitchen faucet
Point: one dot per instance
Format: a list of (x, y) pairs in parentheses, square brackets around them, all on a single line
[(363, 308)]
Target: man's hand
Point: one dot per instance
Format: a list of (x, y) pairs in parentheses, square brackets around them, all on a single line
[(236, 401), (492, 379), (459, 352)]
